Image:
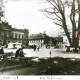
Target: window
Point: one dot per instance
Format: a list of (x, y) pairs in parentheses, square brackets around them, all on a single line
[(22, 36), (15, 35), (19, 36)]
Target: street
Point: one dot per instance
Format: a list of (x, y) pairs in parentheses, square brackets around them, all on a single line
[(45, 53)]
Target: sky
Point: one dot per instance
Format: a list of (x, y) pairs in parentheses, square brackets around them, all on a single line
[(26, 14)]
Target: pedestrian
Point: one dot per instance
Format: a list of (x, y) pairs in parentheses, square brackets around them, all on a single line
[(38, 47), (17, 52), (14, 46), (21, 53), (79, 50), (34, 47), (68, 50), (2, 51)]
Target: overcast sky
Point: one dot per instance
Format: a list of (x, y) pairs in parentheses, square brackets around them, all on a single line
[(26, 14)]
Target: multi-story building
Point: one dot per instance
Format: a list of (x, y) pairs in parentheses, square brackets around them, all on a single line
[(44, 40), (5, 33), (36, 39), (9, 34), (59, 42), (20, 35)]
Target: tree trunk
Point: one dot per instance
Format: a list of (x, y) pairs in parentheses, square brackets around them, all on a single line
[(78, 2), (66, 29)]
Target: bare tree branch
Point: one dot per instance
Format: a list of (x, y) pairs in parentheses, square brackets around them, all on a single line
[(53, 5), (58, 24), (55, 2), (62, 5), (59, 12), (50, 12), (53, 13), (54, 19), (58, 16)]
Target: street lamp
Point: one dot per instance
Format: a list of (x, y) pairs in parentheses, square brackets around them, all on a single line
[(50, 63)]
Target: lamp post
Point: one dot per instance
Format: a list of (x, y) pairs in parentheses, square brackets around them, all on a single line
[(50, 63)]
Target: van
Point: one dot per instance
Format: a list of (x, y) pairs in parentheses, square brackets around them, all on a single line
[(15, 45)]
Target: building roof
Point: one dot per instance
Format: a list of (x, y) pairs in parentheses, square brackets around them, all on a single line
[(21, 30), (37, 36), (5, 26), (59, 39)]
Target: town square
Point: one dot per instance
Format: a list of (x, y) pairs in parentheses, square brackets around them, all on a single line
[(39, 38)]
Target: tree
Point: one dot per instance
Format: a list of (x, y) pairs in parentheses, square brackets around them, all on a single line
[(57, 12), (1, 9)]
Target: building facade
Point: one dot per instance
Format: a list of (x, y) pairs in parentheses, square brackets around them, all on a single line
[(44, 40), (5, 33), (20, 36), (59, 42), (9, 34), (36, 39)]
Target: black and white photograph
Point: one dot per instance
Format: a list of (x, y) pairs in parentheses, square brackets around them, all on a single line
[(39, 39)]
